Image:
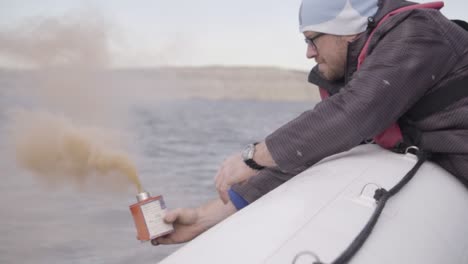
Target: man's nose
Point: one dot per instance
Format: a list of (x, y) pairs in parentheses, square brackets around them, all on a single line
[(311, 52)]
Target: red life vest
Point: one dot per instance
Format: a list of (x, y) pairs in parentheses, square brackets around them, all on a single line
[(392, 136)]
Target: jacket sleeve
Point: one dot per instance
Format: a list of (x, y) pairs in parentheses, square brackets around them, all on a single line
[(262, 183), (402, 67)]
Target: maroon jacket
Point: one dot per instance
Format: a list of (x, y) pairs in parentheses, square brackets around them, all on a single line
[(411, 54)]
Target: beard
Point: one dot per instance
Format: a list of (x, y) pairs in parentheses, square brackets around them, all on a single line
[(330, 73), (332, 64)]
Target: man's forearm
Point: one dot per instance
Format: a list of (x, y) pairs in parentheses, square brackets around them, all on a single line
[(214, 212)]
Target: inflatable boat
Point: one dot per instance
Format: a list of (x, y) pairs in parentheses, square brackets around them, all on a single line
[(318, 213)]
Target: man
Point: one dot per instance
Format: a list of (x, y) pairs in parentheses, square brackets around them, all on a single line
[(411, 54)]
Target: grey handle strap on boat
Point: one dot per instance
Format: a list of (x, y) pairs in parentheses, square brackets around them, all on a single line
[(381, 196)]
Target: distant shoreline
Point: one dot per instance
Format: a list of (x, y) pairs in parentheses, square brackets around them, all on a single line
[(206, 82)]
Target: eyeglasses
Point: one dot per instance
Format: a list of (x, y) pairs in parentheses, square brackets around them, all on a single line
[(310, 41)]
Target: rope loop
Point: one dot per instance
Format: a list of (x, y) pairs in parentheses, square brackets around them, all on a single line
[(309, 253)]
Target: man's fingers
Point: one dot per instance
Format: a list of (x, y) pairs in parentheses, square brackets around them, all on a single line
[(172, 216), (165, 240), (223, 193), (154, 242), (220, 195), (219, 178), (225, 197), (218, 181)]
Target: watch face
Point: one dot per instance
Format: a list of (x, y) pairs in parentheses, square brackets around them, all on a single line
[(247, 153)]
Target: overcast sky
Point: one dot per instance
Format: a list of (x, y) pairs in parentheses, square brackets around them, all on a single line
[(186, 32)]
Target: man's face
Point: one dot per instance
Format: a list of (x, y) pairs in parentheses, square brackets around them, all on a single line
[(329, 52)]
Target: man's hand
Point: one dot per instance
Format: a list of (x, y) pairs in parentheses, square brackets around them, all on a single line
[(233, 170), (185, 225), (189, 223)]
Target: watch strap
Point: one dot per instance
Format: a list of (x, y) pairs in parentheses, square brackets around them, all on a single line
[(252, 164)]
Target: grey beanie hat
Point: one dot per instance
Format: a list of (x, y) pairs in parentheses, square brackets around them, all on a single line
[(336, 17)]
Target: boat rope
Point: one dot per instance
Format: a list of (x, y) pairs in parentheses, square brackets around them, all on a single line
[(381, 197)]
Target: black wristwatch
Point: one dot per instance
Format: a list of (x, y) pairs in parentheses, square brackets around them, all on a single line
[(247, 156)]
